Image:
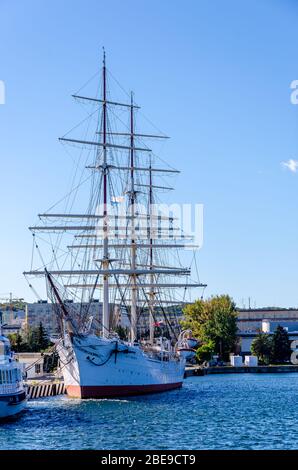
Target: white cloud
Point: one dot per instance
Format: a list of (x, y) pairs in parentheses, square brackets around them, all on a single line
[(291, 165)]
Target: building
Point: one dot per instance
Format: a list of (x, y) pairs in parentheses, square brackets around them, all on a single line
[(41, 312), (32, 364), (12, 315), (251, 322), (12, 320), (44, 312), (11, 329)]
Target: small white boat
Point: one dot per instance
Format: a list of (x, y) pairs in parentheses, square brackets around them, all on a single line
[(186, 344), (12, 392)]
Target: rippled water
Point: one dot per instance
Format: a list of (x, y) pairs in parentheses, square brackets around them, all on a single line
[(244, 411)]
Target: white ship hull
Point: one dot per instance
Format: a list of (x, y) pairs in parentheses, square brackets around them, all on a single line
[(11, 405), (94, 367), (13, 397)]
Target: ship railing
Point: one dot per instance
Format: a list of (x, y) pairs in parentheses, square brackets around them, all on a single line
[(162, 355), (10, 388)]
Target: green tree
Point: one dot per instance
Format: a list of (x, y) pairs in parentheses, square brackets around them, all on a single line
[(15, 341), (29, 339), (281, 345), (262, 347), (215, 320), (122, 332), (41, 338), (35, 339), (204, 352)]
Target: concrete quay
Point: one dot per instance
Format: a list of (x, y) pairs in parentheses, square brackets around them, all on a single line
[(43, 388), (272, 369)]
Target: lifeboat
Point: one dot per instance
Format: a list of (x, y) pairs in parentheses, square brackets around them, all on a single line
[(186, 353), (192, 343)]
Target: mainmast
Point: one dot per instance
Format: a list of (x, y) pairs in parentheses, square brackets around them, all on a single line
[(133, 312), (105, 261), (151, 293)]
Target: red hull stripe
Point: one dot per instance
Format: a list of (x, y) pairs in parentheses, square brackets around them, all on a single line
[(86, 391)]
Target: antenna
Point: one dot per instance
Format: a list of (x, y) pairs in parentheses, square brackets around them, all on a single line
[(103, 56)]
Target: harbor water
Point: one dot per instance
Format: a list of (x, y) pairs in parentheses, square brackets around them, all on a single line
[(238, 411)]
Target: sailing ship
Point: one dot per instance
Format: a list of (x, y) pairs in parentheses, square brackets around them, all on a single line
[(119, 250)]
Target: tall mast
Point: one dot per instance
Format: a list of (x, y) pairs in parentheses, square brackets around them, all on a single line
[(151, 293), (133, 312), (105, 263)]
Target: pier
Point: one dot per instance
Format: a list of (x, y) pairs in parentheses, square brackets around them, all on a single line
[(192, 371), (44, 389)]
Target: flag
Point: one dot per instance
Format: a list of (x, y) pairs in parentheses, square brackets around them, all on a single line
[(117, 199)]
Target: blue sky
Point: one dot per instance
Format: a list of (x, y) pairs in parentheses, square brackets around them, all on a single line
[(214, 75)]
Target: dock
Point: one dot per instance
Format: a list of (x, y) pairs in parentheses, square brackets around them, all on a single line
[(40, 389), (192, 371)]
